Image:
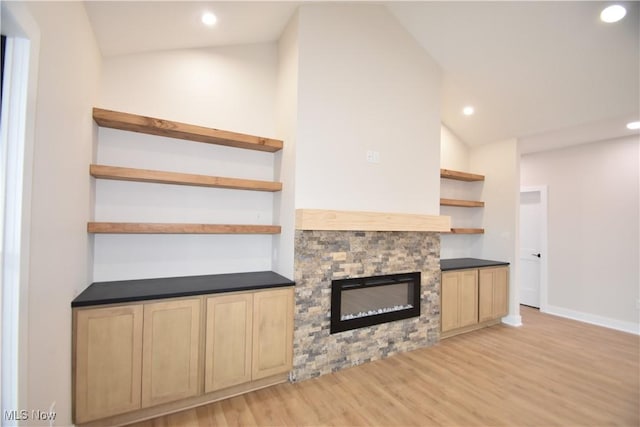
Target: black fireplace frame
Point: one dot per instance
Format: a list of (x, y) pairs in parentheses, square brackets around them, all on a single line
[(338, 285)]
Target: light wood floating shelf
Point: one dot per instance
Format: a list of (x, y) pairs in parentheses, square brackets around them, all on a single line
[(460, 176), (171, 129), (466, 231), (317, 219), (161, 177), (461, 203), (163, 228)]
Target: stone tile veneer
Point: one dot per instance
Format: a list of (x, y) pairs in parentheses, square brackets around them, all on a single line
[(321, 256)]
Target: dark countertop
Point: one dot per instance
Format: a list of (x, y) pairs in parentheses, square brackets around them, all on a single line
[(463, 263), (172, 287)]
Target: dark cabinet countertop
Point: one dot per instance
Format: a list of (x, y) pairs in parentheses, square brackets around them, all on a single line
[(122, 291), (464, 263)]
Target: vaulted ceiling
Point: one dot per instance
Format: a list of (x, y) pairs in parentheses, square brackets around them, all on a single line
[(530, 69)]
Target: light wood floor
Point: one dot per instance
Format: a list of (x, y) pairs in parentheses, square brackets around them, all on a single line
[(550, 372)]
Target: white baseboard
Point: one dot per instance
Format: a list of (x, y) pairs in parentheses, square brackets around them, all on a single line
[(594, 319), (512, 320)]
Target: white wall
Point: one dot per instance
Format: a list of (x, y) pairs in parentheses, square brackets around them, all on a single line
[(230, 88), (60, 249), (454, 153), (499, 162), (593, 229), (365, 84), (284, 201)]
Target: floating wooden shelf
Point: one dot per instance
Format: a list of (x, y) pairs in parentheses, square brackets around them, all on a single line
[(460, 176), (145, 175), (162, 228), (466, 231), (171, 129), (461, 203)]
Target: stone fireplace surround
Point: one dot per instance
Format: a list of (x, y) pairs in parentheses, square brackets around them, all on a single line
[(322, 256)]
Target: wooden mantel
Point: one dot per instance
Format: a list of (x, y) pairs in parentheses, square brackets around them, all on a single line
[(331, 220)]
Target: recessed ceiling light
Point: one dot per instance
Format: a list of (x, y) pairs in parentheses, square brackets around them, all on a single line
[(468, 110), (209, 19), (613, 13), (633, 125)]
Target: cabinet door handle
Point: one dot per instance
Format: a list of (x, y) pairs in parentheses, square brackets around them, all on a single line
[(538, 255)]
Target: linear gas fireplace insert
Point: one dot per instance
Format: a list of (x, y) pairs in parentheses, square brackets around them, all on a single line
[(367, 301)]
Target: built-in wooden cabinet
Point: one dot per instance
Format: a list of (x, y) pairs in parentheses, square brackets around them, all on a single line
[(272, 333), (459, 299), (228, 341), (249, 337), (170, 351), (473, 298), (492, 293), (165, 355), (108, 361)]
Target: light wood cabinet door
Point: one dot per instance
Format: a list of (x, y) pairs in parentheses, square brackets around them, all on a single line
[(468, 297), (228, 341), (493, 293), (171, 350), (272, 332), (449, 301), (459, 301), (108, 351)]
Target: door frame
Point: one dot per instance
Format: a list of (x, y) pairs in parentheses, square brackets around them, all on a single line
[(544, 265), (23, 31)]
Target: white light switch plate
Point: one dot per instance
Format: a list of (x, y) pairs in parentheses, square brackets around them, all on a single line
[(373, 156)]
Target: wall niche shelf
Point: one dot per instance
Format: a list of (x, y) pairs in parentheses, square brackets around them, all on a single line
[(175, 228), (172, 129), (460, 176), (162, 177), (466, 231), (465, 177), (167, 128), (461, 203)]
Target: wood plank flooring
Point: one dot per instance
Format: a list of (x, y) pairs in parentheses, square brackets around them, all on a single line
[(549, 372)]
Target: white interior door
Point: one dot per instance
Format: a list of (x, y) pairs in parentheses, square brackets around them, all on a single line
[(531, 217)]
